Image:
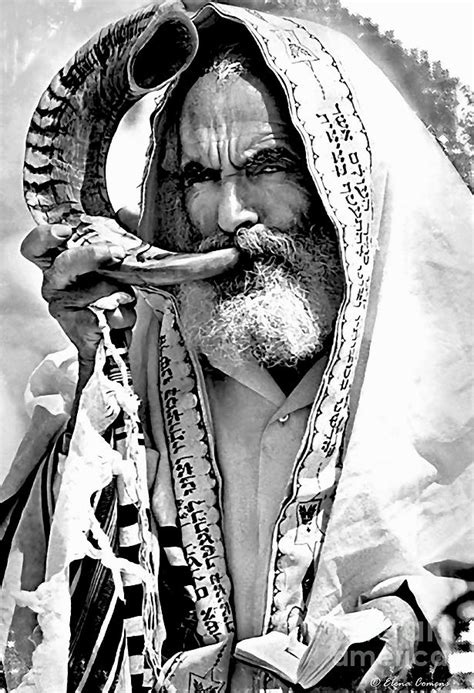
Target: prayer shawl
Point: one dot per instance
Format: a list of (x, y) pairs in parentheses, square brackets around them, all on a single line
[(379, 488)]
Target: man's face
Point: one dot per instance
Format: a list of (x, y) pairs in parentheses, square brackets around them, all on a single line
[(238, 159), (245, 184)]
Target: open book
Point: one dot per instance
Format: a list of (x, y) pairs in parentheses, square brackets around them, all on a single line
[(291, 660)]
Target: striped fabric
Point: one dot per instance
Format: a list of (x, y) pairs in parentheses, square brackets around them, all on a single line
[(105, 630), (113, 639), (122, 623)]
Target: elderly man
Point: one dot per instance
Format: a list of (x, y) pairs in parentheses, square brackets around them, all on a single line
[(265, 390)]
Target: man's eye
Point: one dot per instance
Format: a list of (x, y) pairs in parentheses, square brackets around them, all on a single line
[(192, 176), (270, 168), (282, 165)]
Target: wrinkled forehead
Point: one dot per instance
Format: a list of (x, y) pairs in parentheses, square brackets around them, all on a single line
[(241, 106), (229, 117), (212, 98)]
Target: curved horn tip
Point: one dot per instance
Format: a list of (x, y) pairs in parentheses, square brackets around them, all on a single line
[(165, 48)]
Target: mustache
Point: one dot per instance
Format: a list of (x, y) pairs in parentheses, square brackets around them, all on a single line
[(256, 242)]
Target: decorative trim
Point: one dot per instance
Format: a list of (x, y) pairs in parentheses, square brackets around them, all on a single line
[(341, 170)]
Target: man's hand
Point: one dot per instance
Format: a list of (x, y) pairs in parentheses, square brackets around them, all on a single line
[(398, 653), (70, 285)]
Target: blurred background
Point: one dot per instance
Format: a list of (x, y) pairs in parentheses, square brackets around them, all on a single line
[(424, 46)]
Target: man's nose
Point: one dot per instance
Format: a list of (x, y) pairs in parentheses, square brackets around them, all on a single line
[(234, 212)]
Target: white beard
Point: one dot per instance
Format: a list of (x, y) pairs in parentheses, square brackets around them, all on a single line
[(280, 313)]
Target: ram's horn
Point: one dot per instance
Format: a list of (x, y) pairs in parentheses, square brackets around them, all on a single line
[(76, 118)]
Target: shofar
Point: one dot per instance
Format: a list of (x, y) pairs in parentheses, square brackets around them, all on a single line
[(71, 130)]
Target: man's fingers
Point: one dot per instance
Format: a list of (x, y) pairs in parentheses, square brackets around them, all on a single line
[(44, 242), (122, 318), (71, 285), (75, 262), (465, 611), (83, 296), (82, 326)]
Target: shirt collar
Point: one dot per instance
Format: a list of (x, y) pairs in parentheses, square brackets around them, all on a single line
[(259, 380)]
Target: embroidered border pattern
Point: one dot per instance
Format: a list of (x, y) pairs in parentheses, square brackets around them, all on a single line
[(196, 482), (323, 111)]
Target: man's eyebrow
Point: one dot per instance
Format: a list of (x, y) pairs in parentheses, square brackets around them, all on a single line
[(272, 155), (269, 155)]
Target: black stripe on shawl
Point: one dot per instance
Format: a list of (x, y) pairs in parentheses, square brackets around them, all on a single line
[(112, 640), (92, 600), (107, 652), (47, 501), (178, 608), (133, 600), (135, 645), (127, 515), (137, 682), (94, 576), (130, 553), (89, 605), (74, 570), (170, 536)]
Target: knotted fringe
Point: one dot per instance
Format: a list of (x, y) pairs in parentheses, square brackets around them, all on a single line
[(142, 623)]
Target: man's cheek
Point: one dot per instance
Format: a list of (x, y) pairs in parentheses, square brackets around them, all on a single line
[(201, 208), (281, 204)]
